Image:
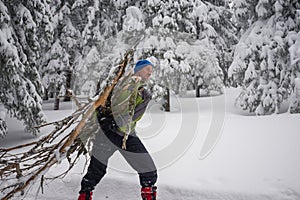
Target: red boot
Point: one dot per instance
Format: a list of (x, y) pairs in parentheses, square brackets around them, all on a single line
[(85, 196), (148, 193)]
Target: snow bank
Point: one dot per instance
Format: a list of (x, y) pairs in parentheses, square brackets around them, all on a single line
[(254, 157)]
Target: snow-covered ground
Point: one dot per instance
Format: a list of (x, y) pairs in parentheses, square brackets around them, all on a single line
[(254, 157)]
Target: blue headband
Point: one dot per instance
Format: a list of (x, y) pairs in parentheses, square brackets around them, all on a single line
[(141, 64)]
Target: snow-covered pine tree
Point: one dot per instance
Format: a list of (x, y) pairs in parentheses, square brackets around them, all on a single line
[(159, 44), (20, 87), (205, 71), (189, 22), (222, 35), (262, 62), (60, 52), (295, 62), (44, 34), (57, 61), (94, 68), (133, 32), (216, 37), (98, 23), (87, 82), (295, 98), (245, 14)]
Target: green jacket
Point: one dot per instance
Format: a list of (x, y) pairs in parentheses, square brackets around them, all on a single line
[(128, 103)]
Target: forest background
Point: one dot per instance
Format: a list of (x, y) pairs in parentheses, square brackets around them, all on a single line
[(48, 47)]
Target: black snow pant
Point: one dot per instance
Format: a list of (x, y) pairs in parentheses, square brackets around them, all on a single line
[(106, 143)]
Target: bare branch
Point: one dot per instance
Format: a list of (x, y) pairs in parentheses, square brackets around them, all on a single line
[(22, 165)]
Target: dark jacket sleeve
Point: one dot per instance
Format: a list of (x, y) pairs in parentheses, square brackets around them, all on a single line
[(141, 108)]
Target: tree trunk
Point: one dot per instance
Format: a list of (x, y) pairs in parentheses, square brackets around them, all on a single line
[(56, 103), (197, 91), (56, 100), (177, 86), (46, 96), (224, 68), (51, 94), (68, 85), (166, 104), (197, 87)]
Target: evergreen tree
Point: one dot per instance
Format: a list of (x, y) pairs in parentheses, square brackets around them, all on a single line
[(222, 33), (205, 70), (98, 25), (159, 48), (178, 21), (265, 63), (245, 14), (20, 87), (60, 54), (159, 44), (57, 60), (295, 98)]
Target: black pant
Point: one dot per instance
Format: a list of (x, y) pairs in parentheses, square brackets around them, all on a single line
[(135, 154)]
